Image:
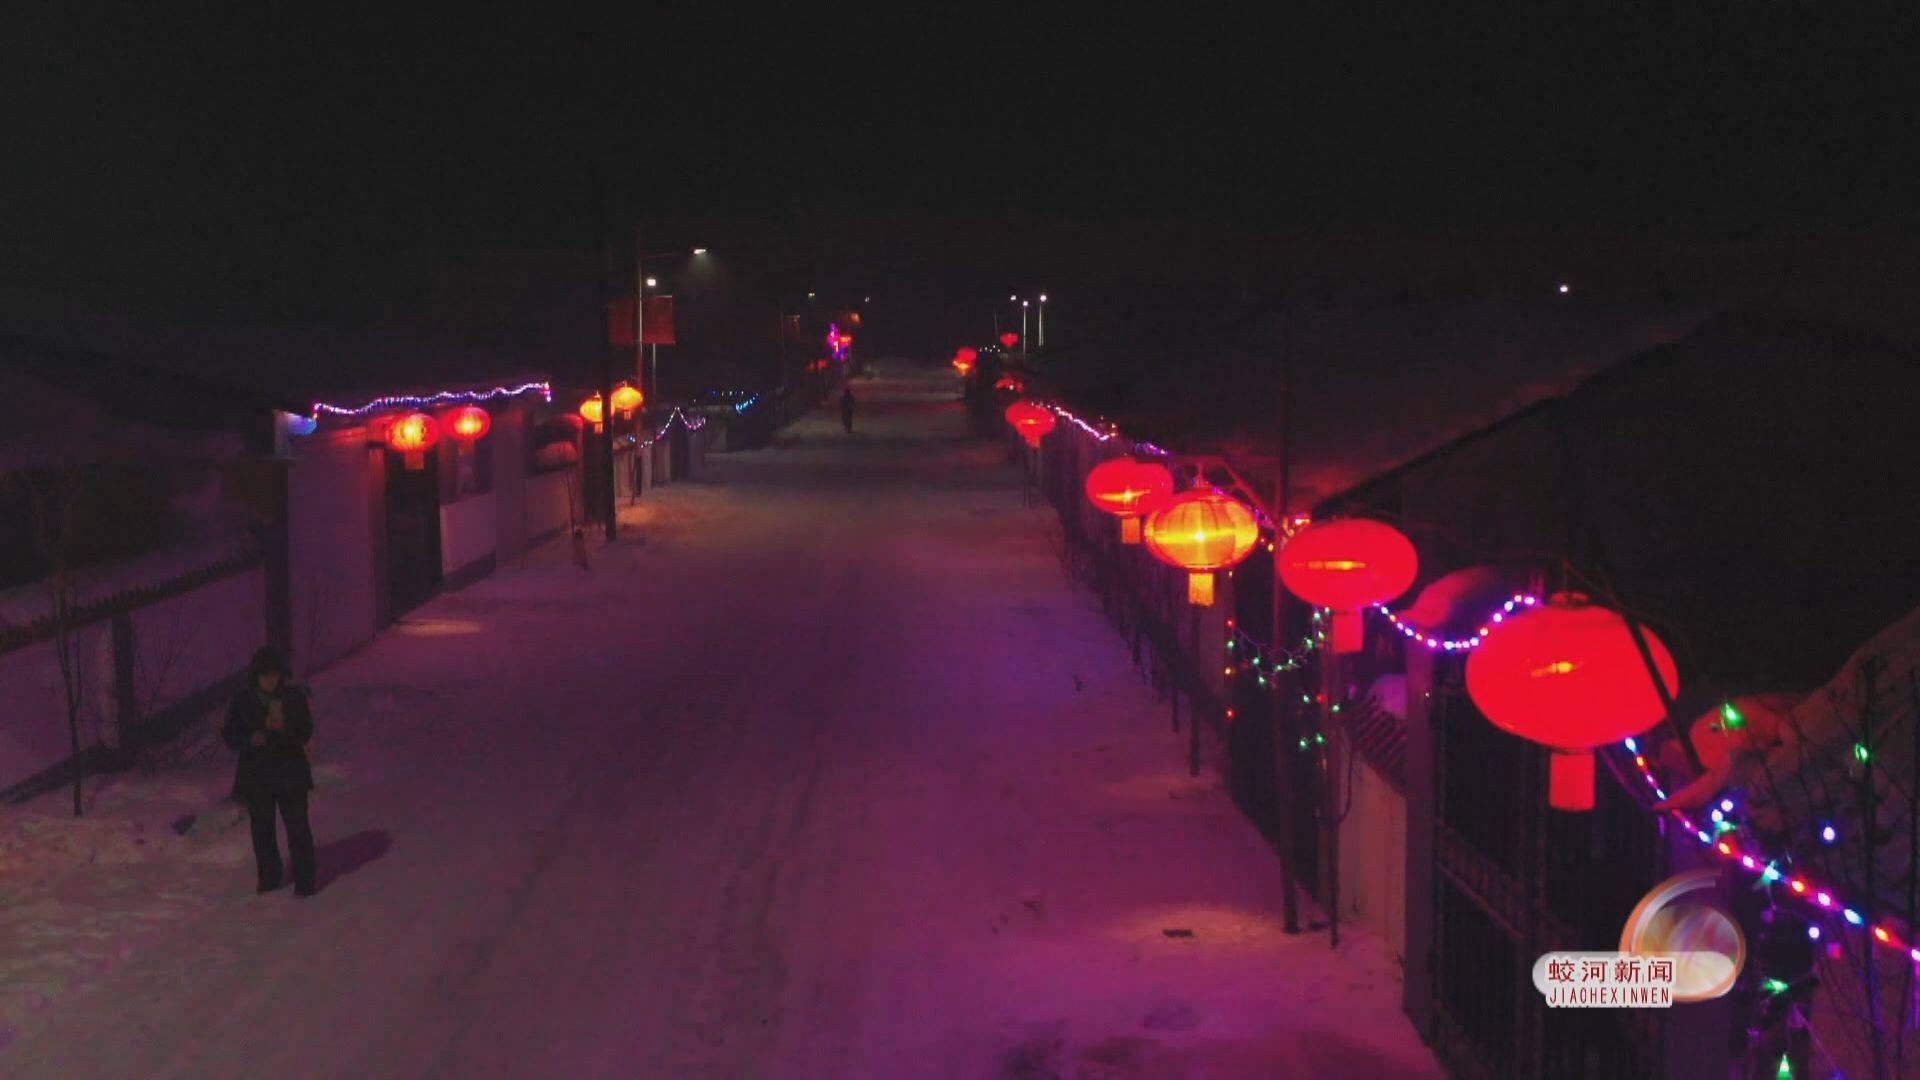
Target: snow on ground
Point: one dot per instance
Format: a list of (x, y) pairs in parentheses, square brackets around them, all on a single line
[(824, 770)]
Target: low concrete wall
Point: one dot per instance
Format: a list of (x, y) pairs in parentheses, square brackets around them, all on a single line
[(551, 503), (1373, 856)]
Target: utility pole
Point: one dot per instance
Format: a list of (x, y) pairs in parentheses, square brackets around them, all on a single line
[(608, 504), (640, 320), (1285, 796)]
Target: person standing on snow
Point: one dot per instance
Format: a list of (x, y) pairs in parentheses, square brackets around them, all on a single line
[(846, 409), (268, 725)]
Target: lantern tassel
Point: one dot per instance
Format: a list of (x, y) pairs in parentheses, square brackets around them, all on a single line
[(1129, 530), (416, 460), (1570, 780), (1200, 589)]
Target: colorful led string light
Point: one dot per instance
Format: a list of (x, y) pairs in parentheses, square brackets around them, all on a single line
[(1824, 898), (1437, 643), (429, 401), (1821, 897)]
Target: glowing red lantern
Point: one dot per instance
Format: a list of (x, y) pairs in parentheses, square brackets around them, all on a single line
[(1348, 565), (1566, 674), (1010, 384), (1009, 339), (626, 399), (964, 355), (594, 413), (1030, 420), (1128, 489), (1201, 531), (467, 424), (413, 435)]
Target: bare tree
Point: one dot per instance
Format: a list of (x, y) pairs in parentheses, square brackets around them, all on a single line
[(51, 508)]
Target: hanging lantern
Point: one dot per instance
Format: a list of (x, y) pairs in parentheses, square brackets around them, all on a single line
[(1201, 531), (626, 399), (1128, 489), (467, 425), (1348, 565), (412, 435), (1566, 674), (594, 413), (1010, 384), (1031, 421), (964, 355), (1009, 339)]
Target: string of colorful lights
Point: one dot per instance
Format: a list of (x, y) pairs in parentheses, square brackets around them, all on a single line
[(428, 401), (1739, 849)]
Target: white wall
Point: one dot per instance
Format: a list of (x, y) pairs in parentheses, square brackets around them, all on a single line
[(548, 495), (467, 531), (331, 540), (186, 643), (33, 719), (1373, 855)]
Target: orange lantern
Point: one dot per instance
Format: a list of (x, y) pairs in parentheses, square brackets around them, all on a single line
[(1128, 489), (1348, 565), (1201, 531), (594, 413), (626, 399), (413, 435), (1567, 674), (467, 424), (1030, 420)]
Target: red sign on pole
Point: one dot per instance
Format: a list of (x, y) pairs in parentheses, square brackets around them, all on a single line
[(658, 329)]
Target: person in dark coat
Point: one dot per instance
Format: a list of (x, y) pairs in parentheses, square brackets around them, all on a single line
[(268, 725), (846, 409)]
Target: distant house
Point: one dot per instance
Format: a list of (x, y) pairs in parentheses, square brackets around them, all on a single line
[(169, 524)]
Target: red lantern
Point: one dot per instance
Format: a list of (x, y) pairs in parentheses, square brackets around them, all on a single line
[(1128, 489), (467, 424), (594, 413), (1030, 420), (1201, 531), (413, 435), (1348, 565), (964, 355), (626, 399), (1009, 339), (1566, 674)]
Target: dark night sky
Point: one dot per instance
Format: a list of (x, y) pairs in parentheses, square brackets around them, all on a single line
[(225, 159)]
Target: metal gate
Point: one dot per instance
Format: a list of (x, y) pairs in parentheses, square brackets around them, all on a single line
[(413, 531), (1514, 880)]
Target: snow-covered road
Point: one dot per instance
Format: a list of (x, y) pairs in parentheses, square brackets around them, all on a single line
[(828, 774)]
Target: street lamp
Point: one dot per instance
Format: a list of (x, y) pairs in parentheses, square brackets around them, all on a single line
[(641, 284), (1043, 320), (1023, 326)]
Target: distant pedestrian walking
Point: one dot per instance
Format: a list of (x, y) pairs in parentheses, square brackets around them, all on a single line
[(846, 409), (268, 724)]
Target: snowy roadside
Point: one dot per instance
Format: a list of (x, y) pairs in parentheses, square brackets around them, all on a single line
[(163, 845)]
